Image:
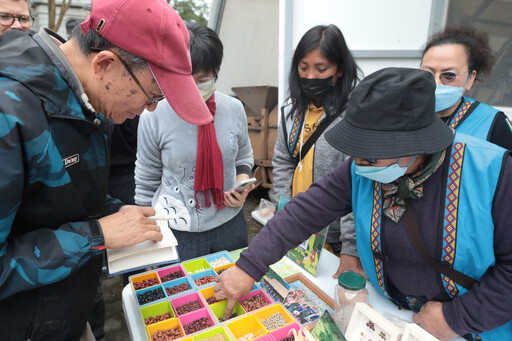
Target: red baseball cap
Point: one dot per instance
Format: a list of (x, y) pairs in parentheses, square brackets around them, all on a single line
[(151, 29)]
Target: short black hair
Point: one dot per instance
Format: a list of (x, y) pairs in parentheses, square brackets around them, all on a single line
[(206, 50), (92, 40), (476, 43)]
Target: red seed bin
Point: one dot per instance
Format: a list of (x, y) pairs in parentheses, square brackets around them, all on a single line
[(183, 303), (163, 326), (249, 301), (285, 332), (274, 316), (191, 318), (172, 273), (144, 281), (247, 325)]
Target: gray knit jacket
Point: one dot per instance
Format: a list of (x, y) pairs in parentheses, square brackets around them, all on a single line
[(166, 160), (325, 160)]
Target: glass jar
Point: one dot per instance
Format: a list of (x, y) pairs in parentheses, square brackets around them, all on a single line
[(349, 291)]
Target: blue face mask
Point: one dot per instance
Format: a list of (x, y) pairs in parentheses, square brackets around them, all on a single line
[(447, 95), (384, 175)]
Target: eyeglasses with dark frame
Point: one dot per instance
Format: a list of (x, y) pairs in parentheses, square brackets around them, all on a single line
[(7, 19), (151, 101), (447, 77)]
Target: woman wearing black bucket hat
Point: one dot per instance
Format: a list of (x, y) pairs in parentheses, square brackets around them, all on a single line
[(322, 75), (432, 211)]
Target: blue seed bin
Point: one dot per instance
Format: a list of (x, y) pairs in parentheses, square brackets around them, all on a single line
[(204, 274), (177, 282), (149, 295), (215, 257)]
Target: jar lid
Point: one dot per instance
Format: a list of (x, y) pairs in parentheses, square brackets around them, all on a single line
[(351, 281)]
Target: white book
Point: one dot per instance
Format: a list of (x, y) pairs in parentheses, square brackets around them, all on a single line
[(145, 254)]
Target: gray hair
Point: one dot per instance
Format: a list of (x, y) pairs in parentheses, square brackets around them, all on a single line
[(93, 40)]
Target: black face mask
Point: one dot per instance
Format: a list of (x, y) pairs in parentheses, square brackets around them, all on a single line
[(316, 87)]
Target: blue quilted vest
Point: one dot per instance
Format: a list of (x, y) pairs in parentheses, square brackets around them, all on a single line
[(469, 249)]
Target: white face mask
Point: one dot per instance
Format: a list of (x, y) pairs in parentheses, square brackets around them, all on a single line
[(385, 174), (207, 88)]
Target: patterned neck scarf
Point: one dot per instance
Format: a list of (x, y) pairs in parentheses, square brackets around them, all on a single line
[(408, 187)]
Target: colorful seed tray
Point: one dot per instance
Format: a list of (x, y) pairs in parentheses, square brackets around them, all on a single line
[(188, 303), (219, 259), (219, 308), (197, 265), (171, 302), (212, 332), (172, 273), (284, 332), (178, 286), (149, 295), (172, 326), (204, 278), (247, 327), (197, 320), (274, 317), (209, 295), (144, 281), (254, 300), (221, 269), (155, 312)]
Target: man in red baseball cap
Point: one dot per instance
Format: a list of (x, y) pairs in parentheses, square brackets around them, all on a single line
[(57, 101)]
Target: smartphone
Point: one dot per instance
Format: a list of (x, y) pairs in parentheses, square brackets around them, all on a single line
[(243, 185)]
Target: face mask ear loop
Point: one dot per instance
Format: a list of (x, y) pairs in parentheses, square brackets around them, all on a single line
[(302, 140), (464, 87)]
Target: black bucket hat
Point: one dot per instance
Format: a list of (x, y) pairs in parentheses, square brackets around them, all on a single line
[(391, 114)]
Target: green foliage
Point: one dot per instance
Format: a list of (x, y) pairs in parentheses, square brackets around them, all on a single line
[(192, 10)]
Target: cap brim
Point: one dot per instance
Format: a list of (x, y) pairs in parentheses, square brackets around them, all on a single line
[(183, 95), (379, 144)]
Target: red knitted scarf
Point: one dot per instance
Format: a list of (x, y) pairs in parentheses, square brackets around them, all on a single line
[(209, 175)]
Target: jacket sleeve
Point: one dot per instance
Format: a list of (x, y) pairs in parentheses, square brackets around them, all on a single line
[(148, 167), (486, 306), (307, 213), (244, 159), (45, 255), (283, 164)]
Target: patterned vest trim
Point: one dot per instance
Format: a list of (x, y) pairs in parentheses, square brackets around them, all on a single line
[(474, 118), (463, 251)]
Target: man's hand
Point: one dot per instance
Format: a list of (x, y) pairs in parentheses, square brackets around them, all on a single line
[(232, 284), (349, 263), (129, 226), (431, 318)]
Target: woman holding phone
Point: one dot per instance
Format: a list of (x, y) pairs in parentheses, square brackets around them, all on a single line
[(188, 172)]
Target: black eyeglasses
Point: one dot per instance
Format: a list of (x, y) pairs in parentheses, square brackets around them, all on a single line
[(7, 19), (447, 76), (151, 101)]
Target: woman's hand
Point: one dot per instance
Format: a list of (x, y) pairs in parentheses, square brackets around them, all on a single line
[(235, 199)]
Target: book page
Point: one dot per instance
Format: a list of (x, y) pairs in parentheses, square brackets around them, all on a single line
[(143, 259), (168, 240)]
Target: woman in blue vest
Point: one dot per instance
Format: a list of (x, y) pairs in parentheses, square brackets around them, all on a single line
[(458, 57), (408, 172)]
